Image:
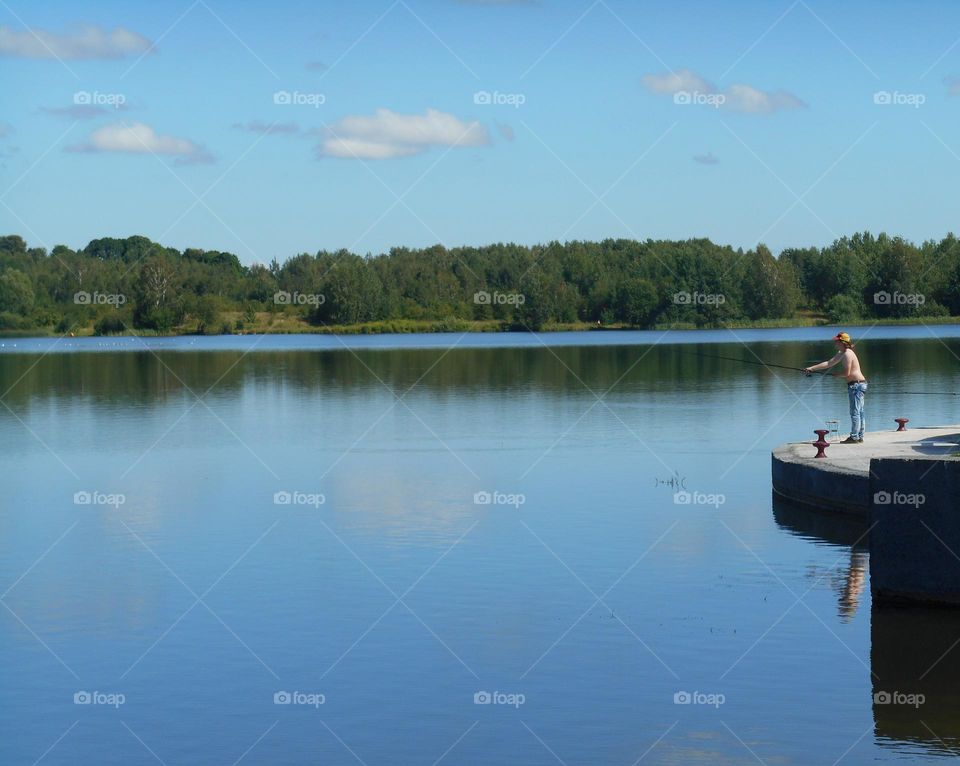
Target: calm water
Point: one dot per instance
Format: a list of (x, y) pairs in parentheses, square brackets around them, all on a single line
[(582, 599)]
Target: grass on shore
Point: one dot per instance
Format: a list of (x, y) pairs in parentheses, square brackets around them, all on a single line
[(268, 323)]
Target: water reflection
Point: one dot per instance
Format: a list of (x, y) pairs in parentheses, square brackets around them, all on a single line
[(840, 530), (200, 494), (856, 577), (151, 376), (915, 659), (836, 530), (914, 652)]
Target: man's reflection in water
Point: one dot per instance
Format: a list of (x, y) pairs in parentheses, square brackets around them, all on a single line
[(853, 584), (844, 532)]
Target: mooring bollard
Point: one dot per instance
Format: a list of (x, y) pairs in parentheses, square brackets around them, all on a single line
[(903, 423), (821, 443)]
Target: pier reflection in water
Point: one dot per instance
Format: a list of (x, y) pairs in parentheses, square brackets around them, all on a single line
[(844, 532), (915, 659), (914, 651)]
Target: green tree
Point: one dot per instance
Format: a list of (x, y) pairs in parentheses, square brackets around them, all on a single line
[(892, 289), (158, 305), (16, 292), (351, 292), (637, 302), (206, 314), (769, 286), (844, 308)]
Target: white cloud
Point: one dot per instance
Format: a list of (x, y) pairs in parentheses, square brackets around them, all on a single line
[(672, 82), (364, 150), (87, 42), (265, 128), (388, 134), (138, 138), (736, 98), (744, 98)]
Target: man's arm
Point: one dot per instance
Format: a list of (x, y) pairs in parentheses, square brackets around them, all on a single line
[(832, 362)]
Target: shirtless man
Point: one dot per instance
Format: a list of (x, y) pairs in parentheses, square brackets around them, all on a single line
[(856, 383)]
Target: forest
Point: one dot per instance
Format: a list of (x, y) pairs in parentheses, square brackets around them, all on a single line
[(134, 285)]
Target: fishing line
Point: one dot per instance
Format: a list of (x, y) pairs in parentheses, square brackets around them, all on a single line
[(760, 363), (816, 372)]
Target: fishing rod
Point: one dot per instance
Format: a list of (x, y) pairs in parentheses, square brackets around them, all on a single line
[(759, 362), (816, 372)]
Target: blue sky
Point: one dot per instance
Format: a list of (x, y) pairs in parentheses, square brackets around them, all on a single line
[(384, 105)]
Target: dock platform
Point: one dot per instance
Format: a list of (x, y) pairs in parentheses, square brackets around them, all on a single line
[(841, 481)]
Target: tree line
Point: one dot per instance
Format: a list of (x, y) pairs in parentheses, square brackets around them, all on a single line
[(118, 285)]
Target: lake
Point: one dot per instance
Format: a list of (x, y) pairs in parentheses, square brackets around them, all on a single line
[(452, 549)]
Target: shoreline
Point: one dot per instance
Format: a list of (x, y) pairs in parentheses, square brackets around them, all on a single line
[(291, 326), (935, 334)]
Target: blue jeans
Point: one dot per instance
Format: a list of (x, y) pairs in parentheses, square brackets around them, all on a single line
[(857, 420)]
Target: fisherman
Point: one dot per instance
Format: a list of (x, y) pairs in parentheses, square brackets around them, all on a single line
[(856, 383)]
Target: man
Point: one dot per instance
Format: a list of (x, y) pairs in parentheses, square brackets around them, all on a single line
[(856, 383)]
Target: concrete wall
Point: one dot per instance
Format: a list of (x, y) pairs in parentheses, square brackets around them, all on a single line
[(914, 545), (815, 486)]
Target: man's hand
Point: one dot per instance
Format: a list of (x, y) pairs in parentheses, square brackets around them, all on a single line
[(807, 371)]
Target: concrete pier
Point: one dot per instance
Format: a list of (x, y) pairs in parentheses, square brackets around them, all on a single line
[(906, 485), (915, 530), (841, 481)]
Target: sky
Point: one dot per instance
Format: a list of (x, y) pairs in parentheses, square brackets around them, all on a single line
[(271, 129)]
